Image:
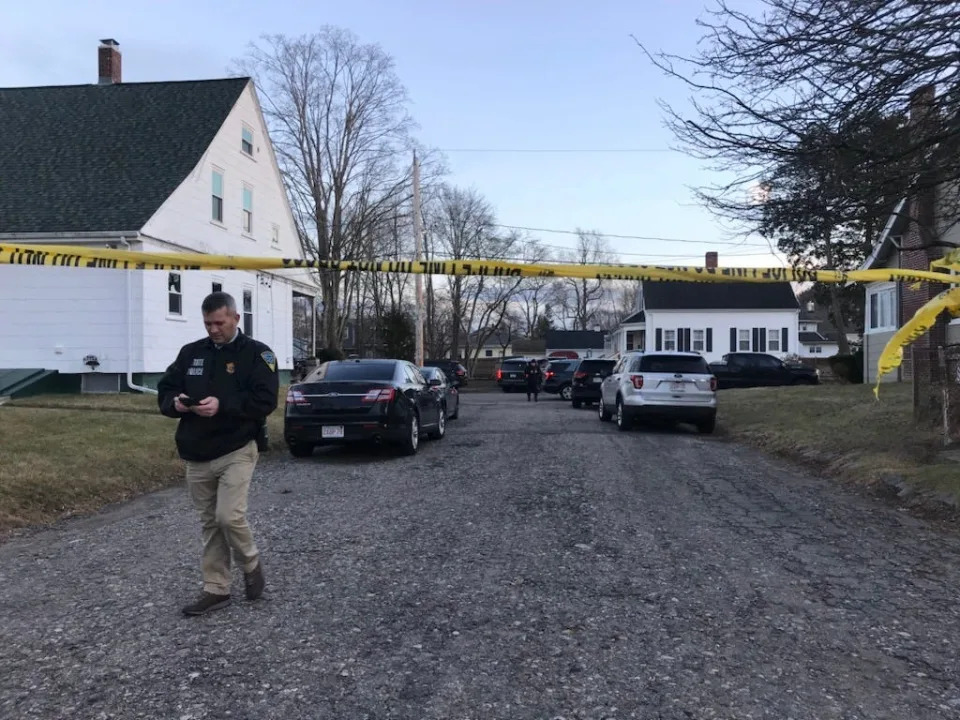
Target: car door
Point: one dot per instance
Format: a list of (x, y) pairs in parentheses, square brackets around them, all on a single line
[(608, 388), (427, 401)]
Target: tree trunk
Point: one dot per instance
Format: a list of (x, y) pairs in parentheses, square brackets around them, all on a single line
[(836, 307)]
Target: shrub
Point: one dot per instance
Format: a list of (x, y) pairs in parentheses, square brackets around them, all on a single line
[(848, 368)]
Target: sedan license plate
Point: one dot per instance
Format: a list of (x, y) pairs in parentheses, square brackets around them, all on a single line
[(332, 431), (512, 375), (596, 380), (678, 387)]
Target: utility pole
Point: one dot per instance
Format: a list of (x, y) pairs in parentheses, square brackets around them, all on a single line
[(418, 236)]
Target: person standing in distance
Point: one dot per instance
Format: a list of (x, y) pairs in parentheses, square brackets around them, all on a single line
[(221, 388), (534, 378)]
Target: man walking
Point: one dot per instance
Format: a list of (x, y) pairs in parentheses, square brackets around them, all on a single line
[(221, 388)]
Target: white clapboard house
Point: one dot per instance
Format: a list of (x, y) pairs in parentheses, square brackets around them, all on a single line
[(156, 167), (711, 319)]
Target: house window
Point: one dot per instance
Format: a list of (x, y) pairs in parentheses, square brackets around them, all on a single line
[(248, 312), (817, 349), (275, 234), (217, 193), (488, 353), (629, 341), (246, 141), (699, 343), (174, 294), (247, 209), (217, 287), (669, 340), (773, 340), (882, 309), (743, 341)]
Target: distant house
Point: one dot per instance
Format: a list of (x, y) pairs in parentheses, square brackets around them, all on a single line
[(818, 336), (574, 343), (154, 167), (711, 318), (499, 344)]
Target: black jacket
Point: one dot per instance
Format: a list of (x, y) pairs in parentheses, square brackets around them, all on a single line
[(242, 375)]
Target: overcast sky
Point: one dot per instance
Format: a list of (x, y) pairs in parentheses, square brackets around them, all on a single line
[(551, 97)]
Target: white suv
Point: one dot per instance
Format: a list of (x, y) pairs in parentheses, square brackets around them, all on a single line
[(676, 386)]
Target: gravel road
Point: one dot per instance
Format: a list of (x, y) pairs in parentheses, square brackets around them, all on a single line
[(535, 563)]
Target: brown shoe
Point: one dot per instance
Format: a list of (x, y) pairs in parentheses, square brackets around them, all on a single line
[(254, 582), (208, 602)]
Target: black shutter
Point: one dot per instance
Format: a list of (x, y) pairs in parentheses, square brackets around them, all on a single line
[(710, 338), (659, 339), (686, 339), (756, 340), (783, 340), (763, 339), (733, 339)]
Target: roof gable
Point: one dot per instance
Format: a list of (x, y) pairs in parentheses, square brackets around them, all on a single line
[(99, 158), (718, 296)]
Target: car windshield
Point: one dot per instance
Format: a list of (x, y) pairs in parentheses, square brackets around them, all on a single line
[(674, 364), (595, 365), (356, 371), (558, 366)]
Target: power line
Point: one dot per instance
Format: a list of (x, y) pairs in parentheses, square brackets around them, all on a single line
[(556, 150), (631, 237)]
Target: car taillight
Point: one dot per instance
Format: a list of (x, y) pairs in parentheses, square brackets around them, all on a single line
[(295, 397), (580, 374), (550, 373), (637, 381), (379, 395), (713, 383), (499, 374)]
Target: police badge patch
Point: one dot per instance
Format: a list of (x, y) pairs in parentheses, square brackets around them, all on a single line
[(231, 368), (270, 359)]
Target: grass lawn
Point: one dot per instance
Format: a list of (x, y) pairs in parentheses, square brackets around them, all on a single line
[(842, 430), (62, 455)]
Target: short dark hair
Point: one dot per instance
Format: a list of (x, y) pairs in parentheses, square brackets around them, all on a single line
[(216, 300)]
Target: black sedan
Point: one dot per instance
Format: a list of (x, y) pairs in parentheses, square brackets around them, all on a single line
[(447, 391), (345, 401)]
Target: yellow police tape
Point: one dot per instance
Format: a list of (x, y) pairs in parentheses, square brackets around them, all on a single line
[(87, 257)]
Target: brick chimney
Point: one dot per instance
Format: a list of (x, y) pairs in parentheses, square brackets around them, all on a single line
[(711, 260), (108, 62)]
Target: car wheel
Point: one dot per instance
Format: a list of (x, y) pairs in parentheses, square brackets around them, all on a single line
[(707, 426), (623, 422), (301, 451), (577, 404), (441, 425), (603, 412), (411, 442), (456, 413), (566, 392)]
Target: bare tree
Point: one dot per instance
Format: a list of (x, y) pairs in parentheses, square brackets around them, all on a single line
[(764, 81), (534, 293), (338, 118), (583, 295)]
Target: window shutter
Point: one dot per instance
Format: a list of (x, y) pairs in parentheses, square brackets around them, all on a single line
[(659, 339), (763, 339), (783, 340), (733, 339), (686, 340), (710, 339), (756, 340)]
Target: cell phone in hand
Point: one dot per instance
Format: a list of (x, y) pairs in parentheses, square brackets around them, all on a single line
[(189, 401)]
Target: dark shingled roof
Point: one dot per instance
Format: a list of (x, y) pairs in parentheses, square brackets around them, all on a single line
[(88, 158), (718, 296), (637, 317), (569, 339), (812, 337)]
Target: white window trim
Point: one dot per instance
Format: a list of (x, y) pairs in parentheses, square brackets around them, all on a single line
[(223, 192), (243, 231), (253, 142), (669, 338), (774, 335), (253, 307), (702, 340), (741, 341), (878, 290), (172, 315)]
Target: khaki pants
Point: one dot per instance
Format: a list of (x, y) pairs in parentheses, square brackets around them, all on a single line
[(219, 492)]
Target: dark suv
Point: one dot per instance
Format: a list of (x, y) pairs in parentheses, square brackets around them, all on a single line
[(455, 372), (512, 375), (587, 380), (558, 377)]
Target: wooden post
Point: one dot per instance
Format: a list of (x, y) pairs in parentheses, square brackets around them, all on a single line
[(418, 237), (944, 393)]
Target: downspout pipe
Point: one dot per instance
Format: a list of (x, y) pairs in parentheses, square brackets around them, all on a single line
[(130, 383)]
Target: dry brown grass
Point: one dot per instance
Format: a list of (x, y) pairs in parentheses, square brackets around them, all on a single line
[(63, 455), (842, 430)]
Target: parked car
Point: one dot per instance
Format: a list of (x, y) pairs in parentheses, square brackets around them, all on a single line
[(672, 386), (748, 369), (587, 379), (512, 375), (345, 401), (447, 391), (456, 373), (558, 378)]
